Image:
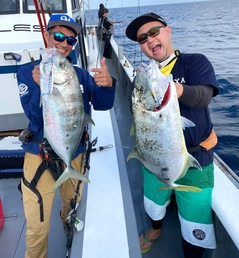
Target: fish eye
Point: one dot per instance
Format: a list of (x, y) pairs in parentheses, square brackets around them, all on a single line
[(62, 65)]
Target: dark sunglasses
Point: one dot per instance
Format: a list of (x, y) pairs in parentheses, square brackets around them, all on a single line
[(153, 32), (60, 37)]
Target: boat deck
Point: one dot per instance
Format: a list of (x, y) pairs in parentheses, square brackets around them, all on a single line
[(112, 204), (12, 236)]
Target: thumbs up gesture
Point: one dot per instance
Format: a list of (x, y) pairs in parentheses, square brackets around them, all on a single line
[(102, 76)]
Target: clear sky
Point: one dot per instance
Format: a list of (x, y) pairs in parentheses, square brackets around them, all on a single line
[(94, 4)]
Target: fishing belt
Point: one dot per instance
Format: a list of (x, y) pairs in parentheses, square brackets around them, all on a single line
[(50, 161), (205, 145)]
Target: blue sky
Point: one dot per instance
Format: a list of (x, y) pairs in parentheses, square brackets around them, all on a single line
[(94, 4)]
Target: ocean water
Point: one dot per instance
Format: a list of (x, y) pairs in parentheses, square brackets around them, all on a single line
[(210, 28)]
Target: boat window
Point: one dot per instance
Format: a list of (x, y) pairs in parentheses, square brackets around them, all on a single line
[(56, 6), (9, 6), (75, 5)]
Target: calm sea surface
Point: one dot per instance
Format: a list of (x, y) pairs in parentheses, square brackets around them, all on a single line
[(210, 28)]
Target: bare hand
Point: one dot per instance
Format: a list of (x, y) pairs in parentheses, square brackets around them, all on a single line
[(36, 74), (179, 88), (102, 76)]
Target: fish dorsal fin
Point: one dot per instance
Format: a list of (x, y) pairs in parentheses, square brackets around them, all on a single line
[(88, 120), (192, 162), (134, 154)]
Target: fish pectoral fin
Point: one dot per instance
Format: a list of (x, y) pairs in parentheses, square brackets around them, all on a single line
[(69, 173), (59, 99), (183, 188), (186, 122)]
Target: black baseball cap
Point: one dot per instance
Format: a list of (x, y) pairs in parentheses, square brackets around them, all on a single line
[(132, 28)]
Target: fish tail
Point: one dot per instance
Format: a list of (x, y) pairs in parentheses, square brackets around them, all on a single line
[(69, 173), (184, 188)]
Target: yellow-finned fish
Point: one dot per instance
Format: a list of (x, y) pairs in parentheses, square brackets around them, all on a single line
[(158, 128), (63, 109)]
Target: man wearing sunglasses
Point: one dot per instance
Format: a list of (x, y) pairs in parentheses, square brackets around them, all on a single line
[(196, 84), (38, 181)]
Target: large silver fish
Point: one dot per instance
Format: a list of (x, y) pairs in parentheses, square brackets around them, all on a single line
[(63, 109), (158, 128)]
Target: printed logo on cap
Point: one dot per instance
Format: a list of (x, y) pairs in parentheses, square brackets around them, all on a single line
[(65, 18)]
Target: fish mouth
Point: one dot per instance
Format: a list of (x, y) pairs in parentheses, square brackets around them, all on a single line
[(165, 99), (60, 83), (61, 80)]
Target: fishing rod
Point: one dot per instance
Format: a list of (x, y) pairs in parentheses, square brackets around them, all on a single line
[(41, 16)]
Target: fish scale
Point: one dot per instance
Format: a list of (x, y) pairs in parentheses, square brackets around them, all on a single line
[(158, 128), (63, 109)]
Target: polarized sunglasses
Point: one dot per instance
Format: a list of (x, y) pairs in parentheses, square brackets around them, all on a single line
[(60, 37), (153, 32)]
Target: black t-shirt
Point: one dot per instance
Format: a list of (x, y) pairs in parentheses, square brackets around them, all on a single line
[(107, 25), (195, 69)]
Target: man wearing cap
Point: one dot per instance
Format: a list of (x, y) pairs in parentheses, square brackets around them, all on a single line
[(196, 84), (37, 182)]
